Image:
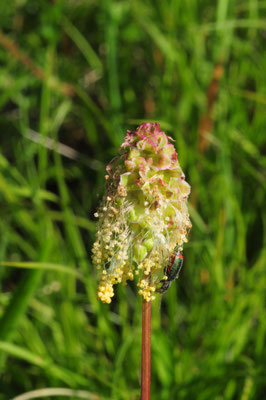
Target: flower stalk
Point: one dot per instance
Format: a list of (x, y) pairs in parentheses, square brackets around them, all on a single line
[(146, 350)]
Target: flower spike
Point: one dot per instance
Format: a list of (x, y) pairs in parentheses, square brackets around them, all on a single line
[(143, 216)]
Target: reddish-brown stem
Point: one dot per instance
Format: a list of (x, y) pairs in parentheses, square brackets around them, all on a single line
[(206, 120), (146, 351), (14, 50)]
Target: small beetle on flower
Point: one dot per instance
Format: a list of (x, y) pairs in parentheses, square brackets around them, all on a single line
[(143, 216), (171, 271)]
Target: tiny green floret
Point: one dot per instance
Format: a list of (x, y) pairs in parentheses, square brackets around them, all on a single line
[(143, 215)]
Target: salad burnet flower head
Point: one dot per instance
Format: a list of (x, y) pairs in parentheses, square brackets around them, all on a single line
[(143, 216)]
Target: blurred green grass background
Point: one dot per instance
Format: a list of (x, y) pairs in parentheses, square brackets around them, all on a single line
[(74, 75)]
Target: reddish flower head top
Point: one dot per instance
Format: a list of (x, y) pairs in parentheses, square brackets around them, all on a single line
[(143, 215)]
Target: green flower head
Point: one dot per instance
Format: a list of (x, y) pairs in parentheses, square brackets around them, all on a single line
[(143, 215)]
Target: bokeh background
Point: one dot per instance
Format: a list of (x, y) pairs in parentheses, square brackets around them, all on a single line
[(74, 76)]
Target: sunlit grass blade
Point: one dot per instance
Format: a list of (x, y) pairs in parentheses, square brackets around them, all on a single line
[(43, 266)]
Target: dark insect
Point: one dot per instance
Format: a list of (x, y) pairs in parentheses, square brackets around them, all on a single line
[(171, 271)]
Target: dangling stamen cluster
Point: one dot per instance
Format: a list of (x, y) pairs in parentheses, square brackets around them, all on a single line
[(143, 215)]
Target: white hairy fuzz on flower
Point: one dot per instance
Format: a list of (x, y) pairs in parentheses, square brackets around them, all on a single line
[(143, 215)]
